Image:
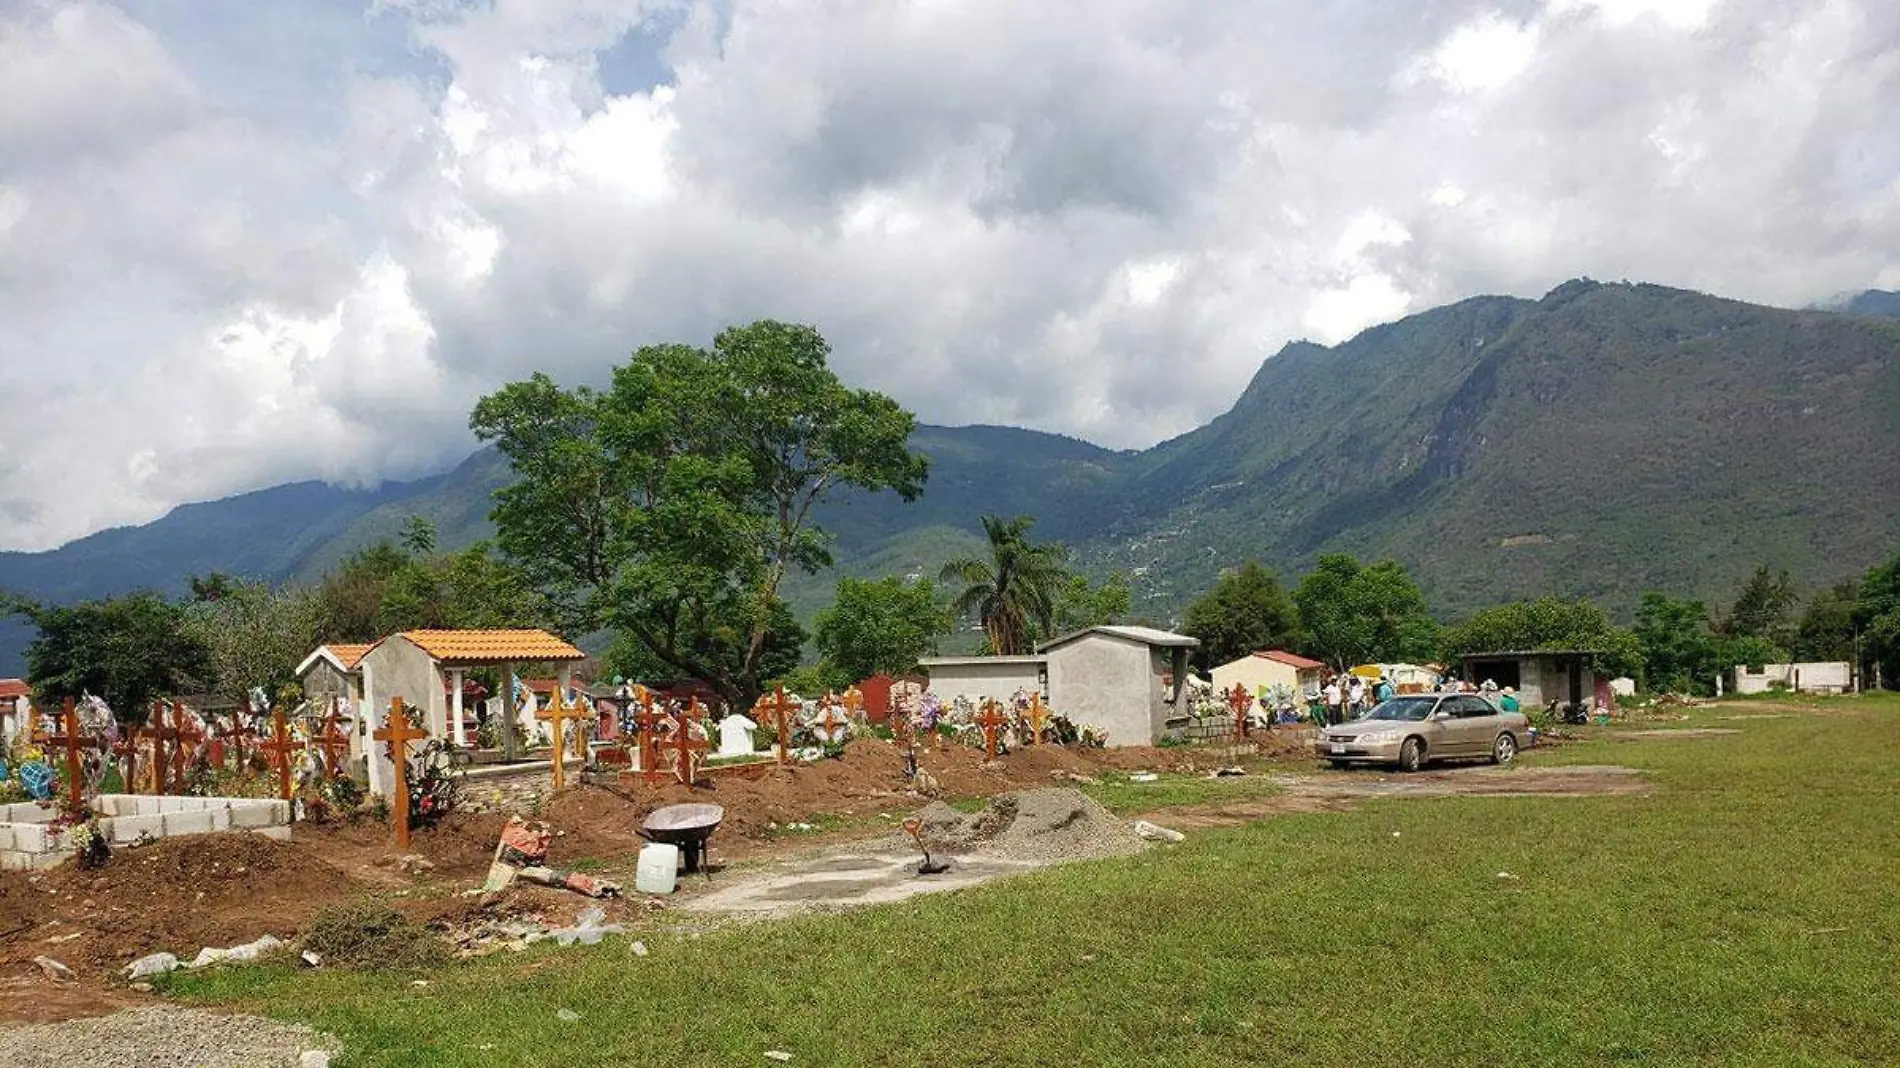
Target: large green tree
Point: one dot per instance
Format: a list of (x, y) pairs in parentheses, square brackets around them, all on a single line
[(1679, 652), (254, 636), (128, 650), (1878, 617), (1826, 630), (671, 506), (1353, 613), (1013, 590), (1246, 611), (1762, 609), (1547, 623), (880, 627)]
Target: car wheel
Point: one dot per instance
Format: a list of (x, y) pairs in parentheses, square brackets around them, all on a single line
[(1411, 755), (1504, 750)]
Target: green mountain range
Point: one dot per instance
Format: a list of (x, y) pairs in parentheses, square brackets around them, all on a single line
[(1601, 441)]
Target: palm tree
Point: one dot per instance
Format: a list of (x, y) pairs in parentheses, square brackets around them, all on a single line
[(1015, 588)]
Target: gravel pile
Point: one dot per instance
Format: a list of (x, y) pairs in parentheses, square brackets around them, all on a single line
[(160, 1037), (1050, 824)]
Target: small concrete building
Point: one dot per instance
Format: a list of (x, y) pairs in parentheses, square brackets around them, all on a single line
[(15, 697), (1124, 681), (330, 671), (1269, 668), (426, 669), (1540, 676), (986, 677), (1821, 676)]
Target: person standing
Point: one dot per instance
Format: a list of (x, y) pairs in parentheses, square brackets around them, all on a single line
[(1333, 697), (1383, 692), (1356, 696)]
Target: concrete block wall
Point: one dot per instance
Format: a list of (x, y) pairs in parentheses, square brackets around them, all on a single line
[(125, 819)]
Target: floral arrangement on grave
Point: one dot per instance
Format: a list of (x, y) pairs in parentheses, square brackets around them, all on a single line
[(434, 787), (31, 772), (1208, 704), (928, 713), (90, 850), (96, 722)]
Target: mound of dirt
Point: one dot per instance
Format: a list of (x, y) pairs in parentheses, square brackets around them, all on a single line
[(178, 895), (1050, 824)]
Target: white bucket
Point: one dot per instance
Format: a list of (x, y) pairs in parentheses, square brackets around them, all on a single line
[(659, 868)]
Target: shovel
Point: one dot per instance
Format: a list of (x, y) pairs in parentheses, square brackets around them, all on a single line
[(915, 827)]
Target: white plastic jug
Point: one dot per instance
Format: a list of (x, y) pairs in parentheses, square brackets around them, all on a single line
[(659, 868)]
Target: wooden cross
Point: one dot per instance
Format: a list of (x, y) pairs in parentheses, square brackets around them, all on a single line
[(398, 733), (70, 738), (158, 734), (236, 730), (333, 743), (127, 750), (686, 748), (780, 708), (853, 701), (556, 716), (647, 719), (902, 733), (186, 735), (1239, 700), (1038, 714), (280, 747), (830, 721), (991, 720)]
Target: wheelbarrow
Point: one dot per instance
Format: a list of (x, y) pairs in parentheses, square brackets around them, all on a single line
[(685, 826)]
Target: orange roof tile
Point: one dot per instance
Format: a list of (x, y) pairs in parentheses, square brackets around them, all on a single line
[(14, 688), (348, 654), (492, 646)]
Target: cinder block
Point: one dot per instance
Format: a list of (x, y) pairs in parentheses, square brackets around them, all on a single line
[(282, 834), (28, 813), (187, 823), (14, 860), (220, 818), (36, 838), (247, 817), (129, 828), (280, 812), (6, 836)]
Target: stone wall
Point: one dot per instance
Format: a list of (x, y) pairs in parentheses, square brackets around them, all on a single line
[(514, 788)]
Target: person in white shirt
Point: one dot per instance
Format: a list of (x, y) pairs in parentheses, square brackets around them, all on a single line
[(1332, 701)]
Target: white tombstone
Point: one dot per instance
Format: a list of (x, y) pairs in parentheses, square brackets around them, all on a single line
[(735, 736)]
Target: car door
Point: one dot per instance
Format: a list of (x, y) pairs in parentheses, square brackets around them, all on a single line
[(1475, 722)]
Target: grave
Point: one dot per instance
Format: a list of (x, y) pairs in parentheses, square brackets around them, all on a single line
[(27, 842)]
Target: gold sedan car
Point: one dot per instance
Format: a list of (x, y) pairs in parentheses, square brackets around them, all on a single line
[(1413, 729)]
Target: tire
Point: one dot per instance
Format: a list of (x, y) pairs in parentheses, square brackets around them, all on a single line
[(1412, 754), (1504, 750)]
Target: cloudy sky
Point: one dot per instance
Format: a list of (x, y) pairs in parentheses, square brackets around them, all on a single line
[(249, 241)]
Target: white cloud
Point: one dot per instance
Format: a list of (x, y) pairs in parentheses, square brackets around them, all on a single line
[(1098, 226)]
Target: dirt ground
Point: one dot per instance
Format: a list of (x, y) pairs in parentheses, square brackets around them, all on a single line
[(183, 894)]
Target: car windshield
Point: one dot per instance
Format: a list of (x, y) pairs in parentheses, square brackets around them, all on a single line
[(1412, 709)]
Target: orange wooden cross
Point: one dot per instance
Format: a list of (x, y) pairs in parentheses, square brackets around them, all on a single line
[(236, 730), (780, 708), (399, 733), (280, 747), (186, 734), (1038, 714), (991, 721), (556, 716), (646, 720), (685, 745), (853, 701), (829, 724), (333, 743), (1239, 700), (158, 734), (70, 738), (127, 750)]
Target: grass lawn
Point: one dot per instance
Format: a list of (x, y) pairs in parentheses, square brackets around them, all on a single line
[(1744, 912)]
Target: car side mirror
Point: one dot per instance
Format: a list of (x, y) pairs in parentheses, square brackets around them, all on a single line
[(1440, 717)]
